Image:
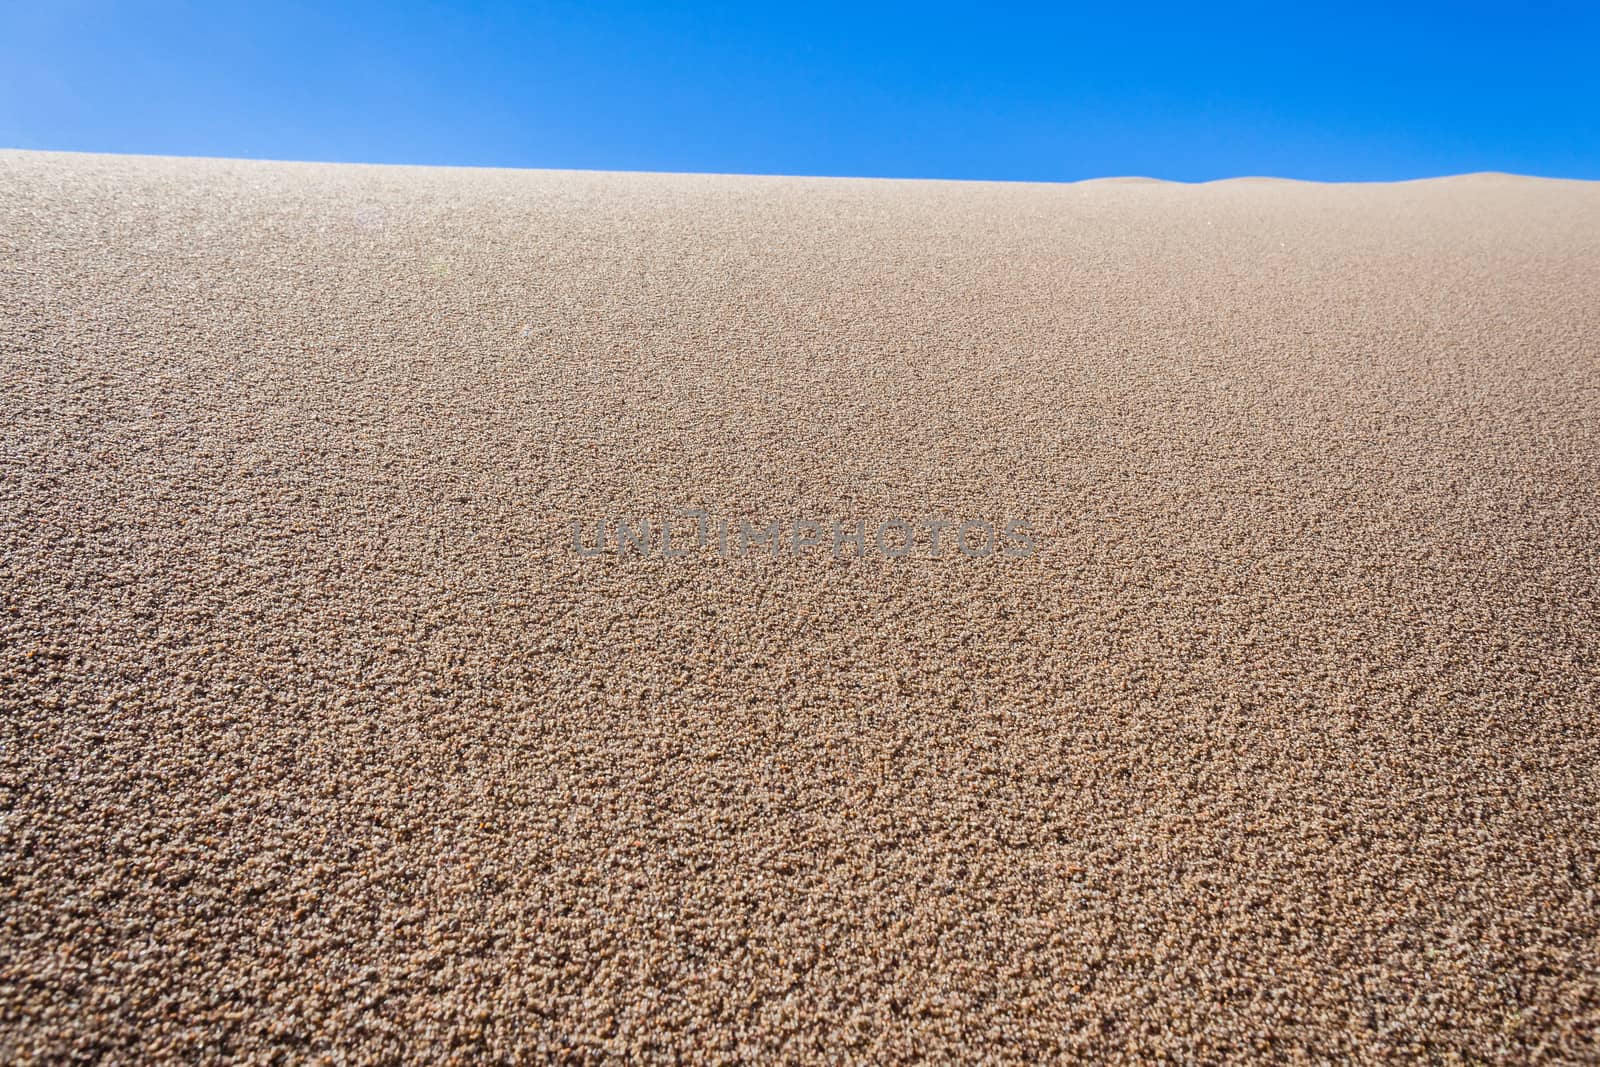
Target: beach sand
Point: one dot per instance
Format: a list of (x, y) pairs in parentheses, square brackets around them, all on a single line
[(318, 737)]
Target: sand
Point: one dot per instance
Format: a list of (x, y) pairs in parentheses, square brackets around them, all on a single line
[(320, 740)]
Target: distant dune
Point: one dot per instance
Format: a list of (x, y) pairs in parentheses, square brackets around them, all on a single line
[(1259, 721)]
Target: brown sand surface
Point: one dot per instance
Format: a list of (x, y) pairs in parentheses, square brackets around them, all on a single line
[(318, 738)]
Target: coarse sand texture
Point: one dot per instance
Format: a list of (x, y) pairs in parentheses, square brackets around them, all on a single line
[(321, 737)]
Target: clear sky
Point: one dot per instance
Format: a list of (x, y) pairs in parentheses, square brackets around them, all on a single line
[(1188, 91)]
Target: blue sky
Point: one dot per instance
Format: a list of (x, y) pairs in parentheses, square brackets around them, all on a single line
[(1188, 92)]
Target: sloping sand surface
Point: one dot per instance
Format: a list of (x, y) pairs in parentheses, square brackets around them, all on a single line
[(317, 736)]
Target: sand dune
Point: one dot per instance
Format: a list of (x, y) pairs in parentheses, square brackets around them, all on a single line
[(320, 738)]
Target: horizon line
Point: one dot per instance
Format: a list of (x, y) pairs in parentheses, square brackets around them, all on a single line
[(1139, 178)]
